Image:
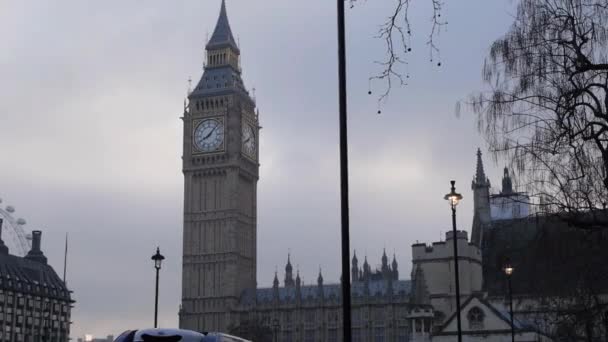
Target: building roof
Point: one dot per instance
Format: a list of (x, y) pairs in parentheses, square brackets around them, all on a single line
[(219, 81), (28, 276), (222, 35), (330, 292), (224, 79), (503, 316)]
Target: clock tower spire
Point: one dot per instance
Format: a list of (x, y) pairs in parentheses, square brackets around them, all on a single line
[(221, 170)]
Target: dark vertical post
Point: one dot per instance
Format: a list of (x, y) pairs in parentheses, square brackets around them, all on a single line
[(511, 310), (606, 324), (65, 259), (457, 273), (156, 301), (346, 319)]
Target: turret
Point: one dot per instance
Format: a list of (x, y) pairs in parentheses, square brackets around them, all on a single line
[(481, 202), (275, 286), (355, 268), (298, 287), (367, 271), (289, 273), (386, 270), (320, 284), (395, 268)]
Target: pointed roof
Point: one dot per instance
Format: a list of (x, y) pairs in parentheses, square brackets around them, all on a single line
[(222, 35), (275, 282), (480, 174), (384, 258), (288, 267)]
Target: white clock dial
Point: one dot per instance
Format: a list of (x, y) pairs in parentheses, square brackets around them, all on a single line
[(209, 135), (249, 143)]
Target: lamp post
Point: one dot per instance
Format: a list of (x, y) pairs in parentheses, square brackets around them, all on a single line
[(158, 260), (344, 204), (454, 198), (275, 328), (508, 268), (606, 324)]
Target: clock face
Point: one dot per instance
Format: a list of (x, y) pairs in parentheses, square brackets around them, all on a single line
[(209, 135), (248, 140)]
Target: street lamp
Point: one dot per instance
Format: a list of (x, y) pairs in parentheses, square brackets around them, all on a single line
[(454, 198), (158, 260), (508, 269), (275, 328)]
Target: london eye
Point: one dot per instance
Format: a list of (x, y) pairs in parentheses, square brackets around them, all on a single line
[(13, 231)]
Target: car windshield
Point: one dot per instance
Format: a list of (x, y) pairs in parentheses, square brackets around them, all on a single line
[(126, 336)]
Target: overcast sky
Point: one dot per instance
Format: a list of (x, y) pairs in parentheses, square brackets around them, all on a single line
[(91, 138)]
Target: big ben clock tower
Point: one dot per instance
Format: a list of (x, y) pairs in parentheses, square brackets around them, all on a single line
[(220, 166)]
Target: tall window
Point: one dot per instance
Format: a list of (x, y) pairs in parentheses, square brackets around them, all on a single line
[(356, 335), (379, 335), (332, 335), (403, 334), (475, 317), (310, 316), (309, 335)]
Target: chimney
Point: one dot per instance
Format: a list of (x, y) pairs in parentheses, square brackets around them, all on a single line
[(36, 253), (3, 248)]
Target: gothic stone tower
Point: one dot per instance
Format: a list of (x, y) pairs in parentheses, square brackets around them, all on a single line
[(220, 166), (481, 203)]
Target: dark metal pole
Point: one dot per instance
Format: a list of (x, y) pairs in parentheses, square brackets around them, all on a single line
[(346, 319), (606, 324), (156, 301), (456, 276), (511, 310)]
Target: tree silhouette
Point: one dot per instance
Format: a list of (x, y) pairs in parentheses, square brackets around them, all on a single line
[(546, 107)]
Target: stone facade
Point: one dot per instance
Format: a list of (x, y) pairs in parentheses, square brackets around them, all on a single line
[(220, 167), (313, 312), (35, 304), (307, 313)]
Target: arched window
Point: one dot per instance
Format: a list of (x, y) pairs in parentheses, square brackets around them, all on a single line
[(476, 318)]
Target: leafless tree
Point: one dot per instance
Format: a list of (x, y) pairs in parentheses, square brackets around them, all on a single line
[(396, 32), (545, 108)]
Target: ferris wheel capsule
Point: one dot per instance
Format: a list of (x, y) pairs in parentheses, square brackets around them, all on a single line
[(21, 221), (10, 209)]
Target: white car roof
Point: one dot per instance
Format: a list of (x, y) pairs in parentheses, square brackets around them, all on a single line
[(186, 335)]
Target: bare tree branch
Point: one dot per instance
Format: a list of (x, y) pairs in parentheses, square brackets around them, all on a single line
[(396, 32)]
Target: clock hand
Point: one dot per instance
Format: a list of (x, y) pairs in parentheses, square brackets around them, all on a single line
[(208, 135), (246, 141)]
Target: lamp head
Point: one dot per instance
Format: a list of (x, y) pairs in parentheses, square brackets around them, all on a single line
[(508, 268), (158, 259), (453, 197)]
